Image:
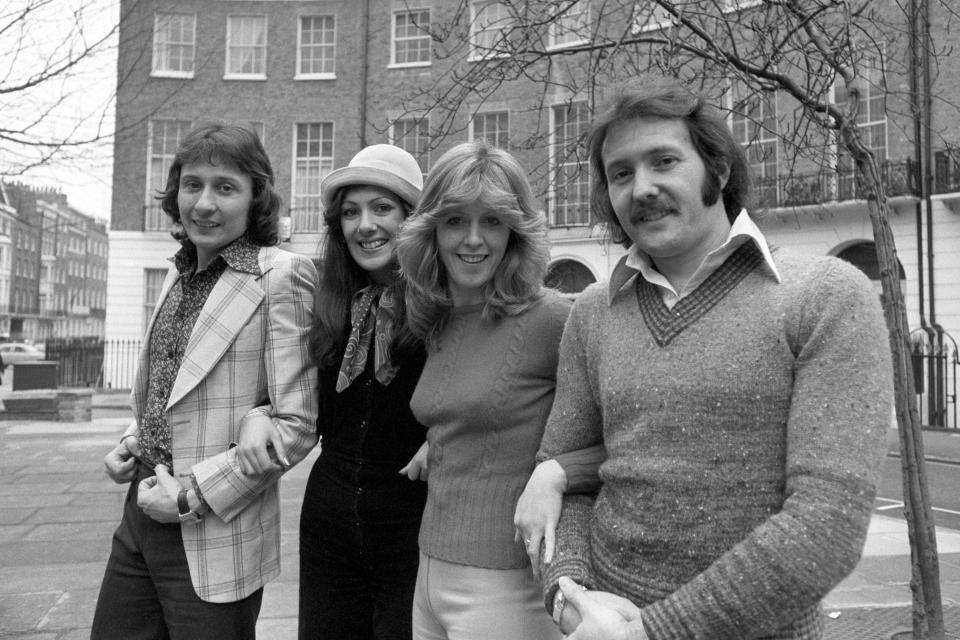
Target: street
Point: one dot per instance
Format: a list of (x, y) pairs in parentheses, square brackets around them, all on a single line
[(58, 511), (943, 480)]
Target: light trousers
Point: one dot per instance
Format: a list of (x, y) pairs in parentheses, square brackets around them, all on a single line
[(459, 602)]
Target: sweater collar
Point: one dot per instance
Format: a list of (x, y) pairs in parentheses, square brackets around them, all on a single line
[(638, 264)]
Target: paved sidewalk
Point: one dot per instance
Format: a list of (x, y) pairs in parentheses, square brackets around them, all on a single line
[(58, 511)]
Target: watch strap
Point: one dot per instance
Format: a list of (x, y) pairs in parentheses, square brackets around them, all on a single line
[(183, 507)]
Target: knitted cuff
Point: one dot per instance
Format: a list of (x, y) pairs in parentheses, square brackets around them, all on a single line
[(572, 556)]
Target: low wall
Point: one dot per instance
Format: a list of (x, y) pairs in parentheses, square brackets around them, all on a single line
[(56, 405)]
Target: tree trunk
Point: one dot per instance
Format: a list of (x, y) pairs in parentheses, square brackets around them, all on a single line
[(925, 577)]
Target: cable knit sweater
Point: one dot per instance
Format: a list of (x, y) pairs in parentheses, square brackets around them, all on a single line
[(484, 395), (744, 431)]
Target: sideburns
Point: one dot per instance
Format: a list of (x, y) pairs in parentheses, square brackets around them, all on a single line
[(710, 191)]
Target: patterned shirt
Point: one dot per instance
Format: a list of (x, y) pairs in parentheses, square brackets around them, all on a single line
[(171, 332)]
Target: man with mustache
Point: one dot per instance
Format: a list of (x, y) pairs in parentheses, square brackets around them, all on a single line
[(742, 393)]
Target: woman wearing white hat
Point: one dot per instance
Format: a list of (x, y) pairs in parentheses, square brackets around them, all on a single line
[(363, 501)]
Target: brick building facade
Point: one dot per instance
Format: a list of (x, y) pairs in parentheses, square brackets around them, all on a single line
[(320, 79)]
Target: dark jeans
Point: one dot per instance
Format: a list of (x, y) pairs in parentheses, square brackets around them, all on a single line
[(146, 592), (358, 559)]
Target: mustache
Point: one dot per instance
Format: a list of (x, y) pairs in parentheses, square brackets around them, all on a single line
[(650, 208)]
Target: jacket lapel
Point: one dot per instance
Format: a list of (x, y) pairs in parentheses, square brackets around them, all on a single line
[(233, 300)]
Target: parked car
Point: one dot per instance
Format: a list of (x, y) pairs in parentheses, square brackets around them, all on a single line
[(17, 352)]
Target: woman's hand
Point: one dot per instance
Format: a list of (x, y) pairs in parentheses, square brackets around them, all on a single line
[(538, 512), (417, 467), (260, 448)]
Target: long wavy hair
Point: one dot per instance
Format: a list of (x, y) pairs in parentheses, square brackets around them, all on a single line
[(340, 279), (473, 173), (670, 99), (238, 147)]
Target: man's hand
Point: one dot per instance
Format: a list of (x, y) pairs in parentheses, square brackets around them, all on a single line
[(260, 448), (597, 615), (417, 468), (120, 464), (538, 512), (157, 496)]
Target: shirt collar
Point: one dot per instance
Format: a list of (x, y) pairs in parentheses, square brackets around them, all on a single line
[(636, 262), (241, 255)]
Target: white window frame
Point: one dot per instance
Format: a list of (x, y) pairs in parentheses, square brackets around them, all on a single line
[(161, 47), (309, 170), (658, 20), (395, 40), (740, 5), (487, 37), (556, 166), (501, 135), (570, 28), (232, 48), (867, 122), (757, 134), (323, 48), (152, 286), (154, 217), (418, 145)]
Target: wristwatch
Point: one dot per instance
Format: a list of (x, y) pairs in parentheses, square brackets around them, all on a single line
[(187, 514)]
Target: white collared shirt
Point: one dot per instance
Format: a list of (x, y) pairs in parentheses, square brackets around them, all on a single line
[(743, 229)]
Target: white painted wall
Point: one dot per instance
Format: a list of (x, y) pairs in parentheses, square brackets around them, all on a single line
[(130, 253), (818, 231), (598, 254)]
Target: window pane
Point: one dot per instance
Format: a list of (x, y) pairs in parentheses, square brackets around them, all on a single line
[(164, 138), (571, 175), (173, 42), (152, 283), (572, 26), (247, 45), (411, 42), (492, 24), (314, 160), (753, 121), (492, 127), (413, 135), (317, 45)]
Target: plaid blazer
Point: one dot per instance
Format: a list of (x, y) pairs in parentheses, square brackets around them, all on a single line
[(248, 349)]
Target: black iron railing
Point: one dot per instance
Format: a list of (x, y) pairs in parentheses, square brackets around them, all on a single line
[(797, 190), (946, 170), (94, 362), (935, 365)]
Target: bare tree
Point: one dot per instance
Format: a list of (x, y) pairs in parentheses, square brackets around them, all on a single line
[(828, 62), (53, 52)]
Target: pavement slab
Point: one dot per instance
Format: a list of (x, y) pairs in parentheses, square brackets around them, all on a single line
[(58, 512), (883, 623)]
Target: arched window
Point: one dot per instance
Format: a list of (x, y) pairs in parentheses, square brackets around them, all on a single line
[(863, 255), (568, 276)]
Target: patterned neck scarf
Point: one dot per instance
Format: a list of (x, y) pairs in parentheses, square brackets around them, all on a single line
[(373, 312)]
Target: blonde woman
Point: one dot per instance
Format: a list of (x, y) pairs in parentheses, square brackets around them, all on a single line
[(474, 255)]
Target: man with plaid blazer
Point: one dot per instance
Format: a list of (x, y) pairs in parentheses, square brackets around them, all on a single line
[(228, 338)]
